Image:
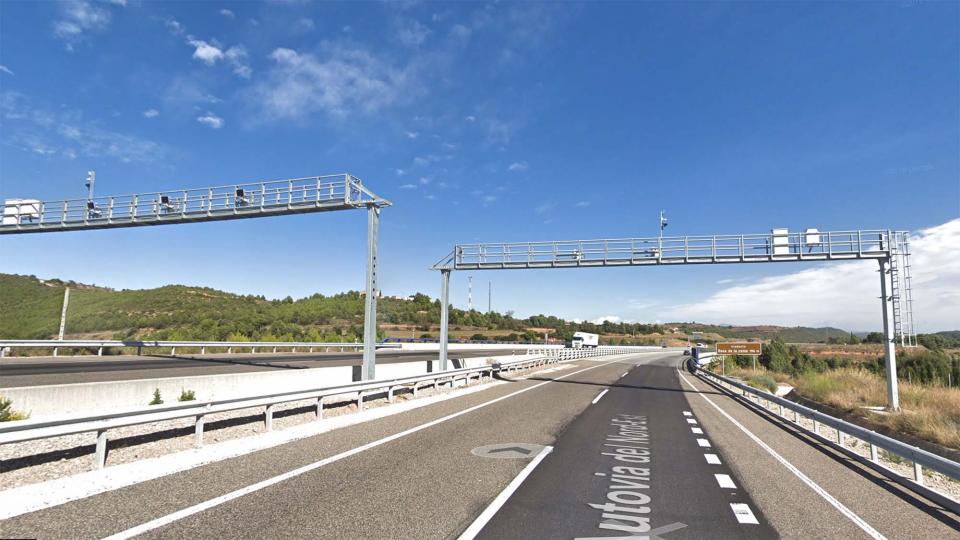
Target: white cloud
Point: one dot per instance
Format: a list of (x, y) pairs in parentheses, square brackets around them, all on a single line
[(611, 318), (211, 120), (151, 113), (227, 13), (205, 52), (303, 24), (175, 27), (342, 82), (487, 199), (544, 208), (470, 118), (411, 33), (424, 180), (408, 186), (237, 57), (411, 134), (6, 70), (66, 133), (400, 172), (583, 204), (518, 166), (844, 295), (78, 17)]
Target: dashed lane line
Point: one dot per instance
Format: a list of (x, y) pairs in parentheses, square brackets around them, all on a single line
[(600, 395), (712, 459), (725, 481), (849, 514), (743, 514), (703, 443), (696, 430)]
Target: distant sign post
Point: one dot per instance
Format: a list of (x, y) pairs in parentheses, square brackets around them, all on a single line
[(743, 348)]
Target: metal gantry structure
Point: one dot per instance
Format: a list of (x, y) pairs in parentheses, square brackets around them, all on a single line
[(890, 248), (234, 201)]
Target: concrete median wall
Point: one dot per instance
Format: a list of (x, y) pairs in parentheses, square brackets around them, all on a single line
[(87, 398)]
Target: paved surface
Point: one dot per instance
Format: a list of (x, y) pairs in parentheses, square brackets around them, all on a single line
[(34, 371), (414, 475)]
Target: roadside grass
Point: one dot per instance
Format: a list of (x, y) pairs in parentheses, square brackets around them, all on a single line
[(929, 412), (8, 413)]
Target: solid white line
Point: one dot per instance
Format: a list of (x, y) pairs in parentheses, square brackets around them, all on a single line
[(725, 481), (712, 459), (744, 514), (485, 516), (596, 399), (857, 520), (216, 501), (697, 430), (704, 443)]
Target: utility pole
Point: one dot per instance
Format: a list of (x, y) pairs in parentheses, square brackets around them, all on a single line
[(63, 317)]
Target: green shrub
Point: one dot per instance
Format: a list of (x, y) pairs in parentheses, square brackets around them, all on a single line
[(156, 398), (185, 395), (764, 382), (8, 414)]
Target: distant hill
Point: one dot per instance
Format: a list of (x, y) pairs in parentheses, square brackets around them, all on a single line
[(30, 309)]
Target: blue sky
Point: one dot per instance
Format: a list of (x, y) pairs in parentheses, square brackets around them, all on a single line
[(488, 122)]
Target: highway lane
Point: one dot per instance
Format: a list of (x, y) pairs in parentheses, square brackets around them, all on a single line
[(426, 484), (414, 475), (629, 465), (34, 371)]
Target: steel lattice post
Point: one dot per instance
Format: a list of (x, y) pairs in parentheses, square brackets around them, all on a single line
[(444, 317), (370, 311), (889, 348)]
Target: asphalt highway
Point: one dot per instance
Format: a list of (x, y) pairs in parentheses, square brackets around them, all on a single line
[(34, 371), (627, 462)]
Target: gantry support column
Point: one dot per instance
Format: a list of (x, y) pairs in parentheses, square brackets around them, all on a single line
[(370, 311), (444, 317), (889, 347)]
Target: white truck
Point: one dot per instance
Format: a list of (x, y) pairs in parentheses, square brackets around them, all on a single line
[(584, 340)]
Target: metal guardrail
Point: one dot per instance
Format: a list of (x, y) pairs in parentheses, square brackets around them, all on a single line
[(28, 430), (203, 345), (920, 457)]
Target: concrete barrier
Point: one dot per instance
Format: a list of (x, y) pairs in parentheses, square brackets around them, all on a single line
[(87, 398)]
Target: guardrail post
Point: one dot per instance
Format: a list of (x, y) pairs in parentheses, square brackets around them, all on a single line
[(873, 452), (173, 351), (840, 437), (918, 473), (360, 400), (100, 351), (415, 386), (203, 350), (268, 417), (101, 455), (229, 350), (390, 394), (319, 407), (816, 427), (198, 430)]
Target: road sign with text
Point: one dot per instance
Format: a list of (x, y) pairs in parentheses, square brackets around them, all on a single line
[(744, 348)]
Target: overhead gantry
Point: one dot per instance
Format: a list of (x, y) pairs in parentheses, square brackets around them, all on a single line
[(235, 201), (890, 248)]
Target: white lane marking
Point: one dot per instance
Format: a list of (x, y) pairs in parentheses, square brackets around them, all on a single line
[(857, 520), (744, 514), (624, 374), (691, 421), (697, 430), (687, 413), (712, 459), (725, 481), (216, 501), (704, 443), (485, 516), (600, 395)]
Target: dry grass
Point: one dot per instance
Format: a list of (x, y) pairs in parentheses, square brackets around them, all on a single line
[(931, 413)]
